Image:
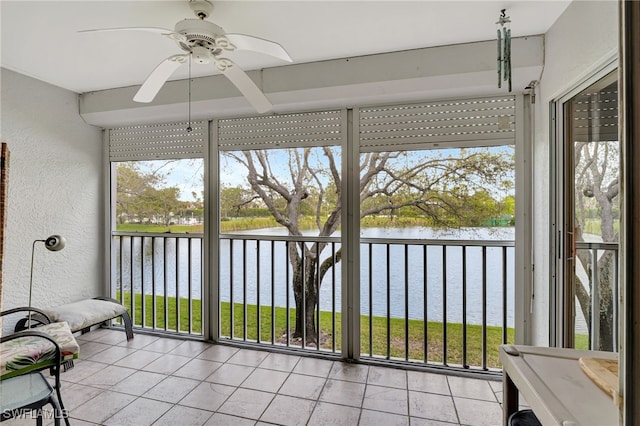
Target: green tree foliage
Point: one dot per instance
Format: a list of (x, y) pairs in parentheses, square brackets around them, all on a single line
[(235, 199), (451, 190), (142, 196)]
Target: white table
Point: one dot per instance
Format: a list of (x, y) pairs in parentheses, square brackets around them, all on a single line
[(554, 386)]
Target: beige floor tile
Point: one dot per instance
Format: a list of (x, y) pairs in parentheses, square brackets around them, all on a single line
[(280, 362), (389, 377), (248, 357), (326, 414), (110, 337), (352, 372), (111, 355), (138, 383), (428, 382), (313, 367), (163, 345), (76, 422), (138, 359), (172, 389), (522, 402), (96, 333), (471, 388), (184, 416), (377, 418), (247, 403), (102, 407), (81, 371), (288, 411), (417, 421), (74, 395), (265, 380), (167, 364), (152, 379), (302, 386), (219, 353), (139, 341), (432, 406), (81, 338), (207, 396), (198, 369), (141, 412), (107, 377), (230, 374), (390, 400), (496, 385), (478, 413), (343, 392), (89, 349), (190, 348), (22, 420), (219, 419)]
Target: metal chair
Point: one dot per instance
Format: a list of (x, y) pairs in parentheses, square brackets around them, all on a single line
[(23, 355), (26, 393)]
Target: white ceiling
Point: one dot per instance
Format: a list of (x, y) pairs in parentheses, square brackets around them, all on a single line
[(40, 38)]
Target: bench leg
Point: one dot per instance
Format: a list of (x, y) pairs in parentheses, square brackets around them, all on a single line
[(126, 319), (128, 327)]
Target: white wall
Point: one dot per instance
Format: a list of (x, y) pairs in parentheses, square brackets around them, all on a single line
[(55, 187), (581, 42)]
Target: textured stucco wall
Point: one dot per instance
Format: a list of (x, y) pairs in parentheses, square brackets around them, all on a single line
[(581, 41), (55, 187)]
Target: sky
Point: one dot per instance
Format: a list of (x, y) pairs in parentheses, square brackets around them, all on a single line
[(187, 174)]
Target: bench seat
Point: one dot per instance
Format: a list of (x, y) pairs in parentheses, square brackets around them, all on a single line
[(84, 314)]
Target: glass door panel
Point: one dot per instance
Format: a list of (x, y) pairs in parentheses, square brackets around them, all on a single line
[(592, 200)]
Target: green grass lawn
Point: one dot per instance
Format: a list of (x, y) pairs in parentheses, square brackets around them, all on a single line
[(581, 341), (273, 327)]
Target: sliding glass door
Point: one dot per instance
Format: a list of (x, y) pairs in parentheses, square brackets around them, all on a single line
[(588, 181)]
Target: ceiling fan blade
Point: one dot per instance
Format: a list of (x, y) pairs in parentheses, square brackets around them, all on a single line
[(145, 29), (161, 31), (158, 77), (247, 87), (256, 44)]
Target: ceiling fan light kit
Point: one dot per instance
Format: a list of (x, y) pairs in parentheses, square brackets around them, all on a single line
[(205, 42)]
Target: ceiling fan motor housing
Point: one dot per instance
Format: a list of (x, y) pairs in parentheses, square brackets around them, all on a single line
[(199, 32), (201, 8)]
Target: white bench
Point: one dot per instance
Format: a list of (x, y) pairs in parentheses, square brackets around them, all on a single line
[(84, 314)]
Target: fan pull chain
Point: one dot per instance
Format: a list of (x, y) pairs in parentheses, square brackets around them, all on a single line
[(189, 128)]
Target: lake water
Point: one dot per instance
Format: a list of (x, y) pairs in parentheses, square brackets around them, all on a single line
[(264, 273)]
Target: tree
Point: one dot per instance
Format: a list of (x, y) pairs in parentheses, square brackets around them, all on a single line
[(292, 180), (143, 194), (232, 199), (165, 201), (596, 183)]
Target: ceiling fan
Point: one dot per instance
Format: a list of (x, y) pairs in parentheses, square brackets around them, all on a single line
[(205, 42)]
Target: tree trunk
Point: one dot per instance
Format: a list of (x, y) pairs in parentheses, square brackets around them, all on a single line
[(606, 280), (305, 293)]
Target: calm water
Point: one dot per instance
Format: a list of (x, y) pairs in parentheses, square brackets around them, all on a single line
[(266, 269)]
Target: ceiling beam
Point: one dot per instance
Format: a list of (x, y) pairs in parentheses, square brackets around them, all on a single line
[(461, 70)]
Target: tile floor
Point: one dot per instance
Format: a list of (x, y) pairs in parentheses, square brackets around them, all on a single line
[(163, 381)]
